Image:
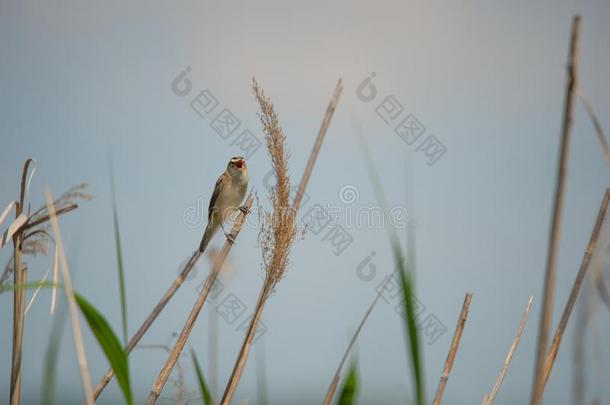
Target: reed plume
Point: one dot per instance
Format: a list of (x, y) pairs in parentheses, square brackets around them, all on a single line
[(278, 227)]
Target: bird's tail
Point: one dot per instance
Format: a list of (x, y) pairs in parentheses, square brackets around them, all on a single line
[(207, 236)]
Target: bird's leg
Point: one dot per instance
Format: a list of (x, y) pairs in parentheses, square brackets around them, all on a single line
[(245, 210), (230, 237)]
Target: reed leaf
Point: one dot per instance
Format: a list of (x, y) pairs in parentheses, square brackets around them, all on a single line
[(350, 386), (119, 258), (109, 343), (206, 398), (405, 273)]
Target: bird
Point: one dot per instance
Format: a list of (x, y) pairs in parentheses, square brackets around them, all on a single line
[(228, 194)]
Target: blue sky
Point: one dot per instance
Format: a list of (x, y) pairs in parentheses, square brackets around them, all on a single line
[(82, 81)]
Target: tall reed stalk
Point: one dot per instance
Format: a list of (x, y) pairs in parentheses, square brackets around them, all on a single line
[(455, 343), (489, 399), (279, 227), (335, 381), (72, 306), (553, 247), (580, 276), (20, 278), (190, 322), (135, 339)]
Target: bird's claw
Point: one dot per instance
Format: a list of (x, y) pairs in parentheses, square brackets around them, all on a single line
[(245, 210), (230, 237)]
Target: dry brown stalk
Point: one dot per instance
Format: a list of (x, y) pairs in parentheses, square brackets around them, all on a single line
[(584, 266), (455, 343), (489, 399), (335, 381), (190, 322), (135, 339), (72, 306), (37, 221), (549, 277), (330, 110), (278, 228), (578, 361), (20, 277), (180, 396), (603, 143)]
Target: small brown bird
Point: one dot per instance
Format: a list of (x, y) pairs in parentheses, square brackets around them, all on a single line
[(228, 194)]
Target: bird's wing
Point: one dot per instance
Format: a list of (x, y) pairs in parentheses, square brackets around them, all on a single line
[(215, 194)]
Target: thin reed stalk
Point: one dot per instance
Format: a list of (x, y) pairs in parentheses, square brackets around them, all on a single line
[(72, 306), (489, 399), (553, 247), (584, 266), (330, 110), (20, 277), (276, 243), (190, 322), (578, 359), (455, 343), (245, 349), (603, 142), (135, 339), (30, 224), (335, 381)]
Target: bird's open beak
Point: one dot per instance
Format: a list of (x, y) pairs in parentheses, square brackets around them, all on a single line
[(239, 164)]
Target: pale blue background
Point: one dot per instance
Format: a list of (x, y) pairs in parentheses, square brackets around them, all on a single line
[(80, 80)]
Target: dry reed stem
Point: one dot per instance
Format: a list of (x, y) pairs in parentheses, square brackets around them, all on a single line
[(489, 399), (44, 278), (335, 381), (20, 277), (330, 110), (584, 266), (578, 361), (245, 349), (455, 343), (55, 281), (190, 322), (135, 339), (551, 260), (284, 230), (181, 390), (72, 307), (213, 340), (45, 218), (603, 143)]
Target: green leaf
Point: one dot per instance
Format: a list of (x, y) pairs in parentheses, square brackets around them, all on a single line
[(27, 286), (350, 386), (119, 258), (102, 331), (109, 343), (203, 388), (406, 279)]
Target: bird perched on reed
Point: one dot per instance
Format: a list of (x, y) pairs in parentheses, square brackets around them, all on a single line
[(228, 194)]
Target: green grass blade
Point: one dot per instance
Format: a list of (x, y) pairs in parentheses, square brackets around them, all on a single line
[(119, 258), (110, 344), (406, 278), (29, 285), (107, 339), (203, 388), (50, 359), (350, 386)]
